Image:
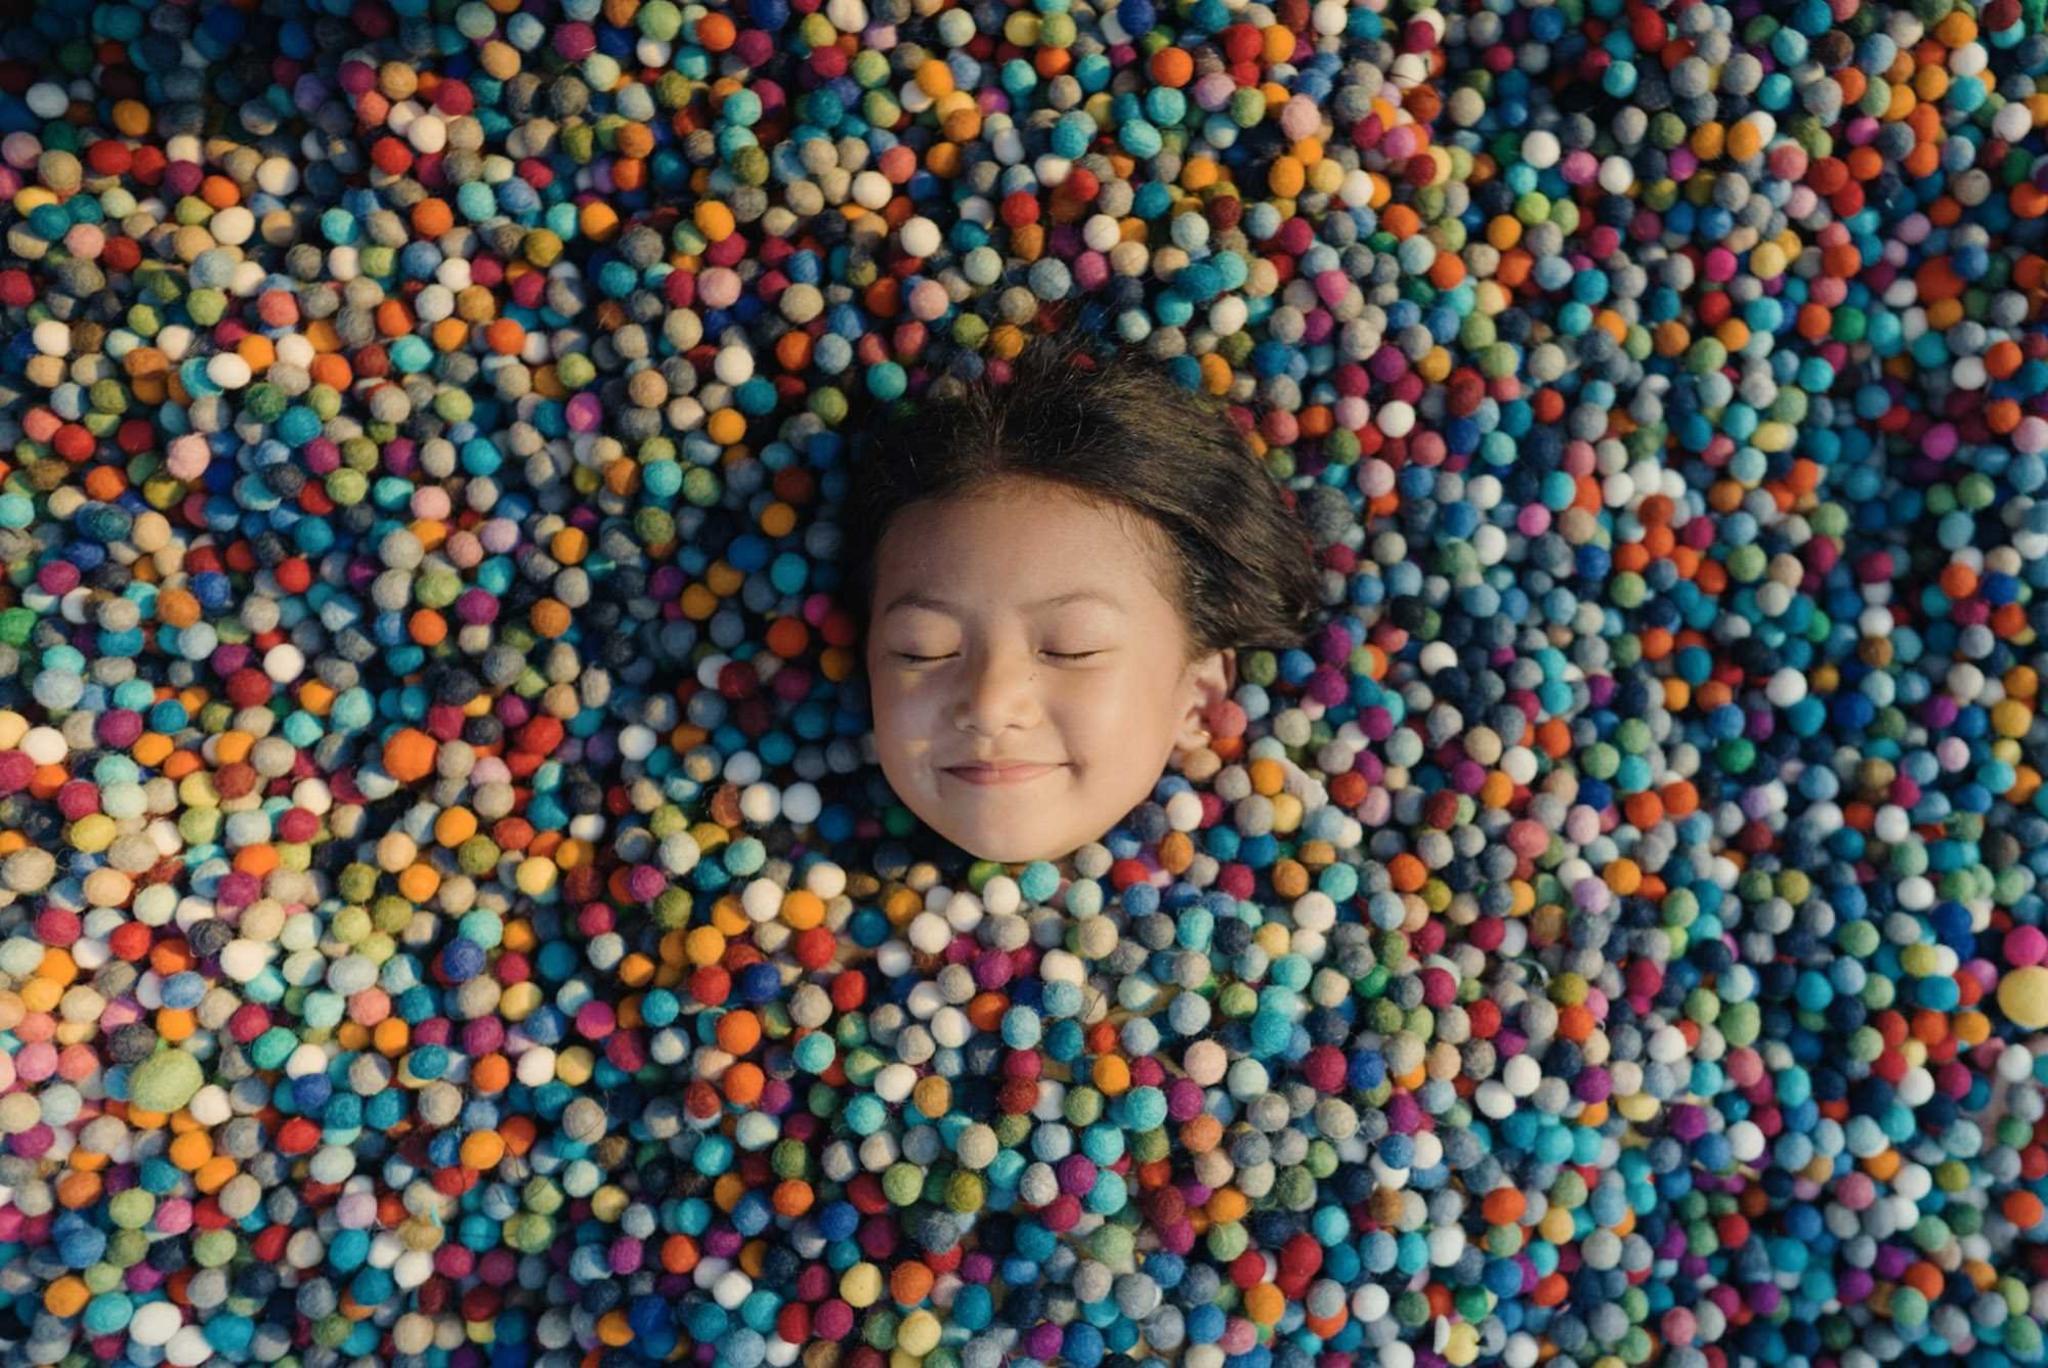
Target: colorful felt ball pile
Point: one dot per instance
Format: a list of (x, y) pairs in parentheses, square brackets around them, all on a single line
[(447, 912)]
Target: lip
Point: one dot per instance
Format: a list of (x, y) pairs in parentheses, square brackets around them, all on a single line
[(989, 776)]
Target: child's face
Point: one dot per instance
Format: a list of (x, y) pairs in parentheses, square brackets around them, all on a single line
[(974, 586)]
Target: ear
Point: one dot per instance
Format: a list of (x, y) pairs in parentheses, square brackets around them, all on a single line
[(1210, 681)]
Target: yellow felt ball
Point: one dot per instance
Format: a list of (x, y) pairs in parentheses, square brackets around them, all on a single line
[(860, 1285), (535, 876), (2023, 996), (918, 1334)]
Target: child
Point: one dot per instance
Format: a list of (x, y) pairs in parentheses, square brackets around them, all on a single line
[(1053, 577)]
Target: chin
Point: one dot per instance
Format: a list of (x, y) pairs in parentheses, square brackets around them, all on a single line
[(1011, 850), (1000, 852)]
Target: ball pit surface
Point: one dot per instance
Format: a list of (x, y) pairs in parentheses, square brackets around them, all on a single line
[(446, 914)]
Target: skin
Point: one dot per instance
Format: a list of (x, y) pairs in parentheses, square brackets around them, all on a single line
[(988, 670)]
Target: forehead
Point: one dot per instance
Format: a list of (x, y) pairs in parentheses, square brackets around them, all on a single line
[(1028, 544), (940, 603)]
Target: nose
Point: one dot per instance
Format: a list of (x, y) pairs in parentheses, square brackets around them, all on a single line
[(999, 694)]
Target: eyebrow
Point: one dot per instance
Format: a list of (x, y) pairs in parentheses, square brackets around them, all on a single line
[(912, 598)]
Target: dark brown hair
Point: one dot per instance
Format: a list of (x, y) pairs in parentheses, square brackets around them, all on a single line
[(1121, 431)]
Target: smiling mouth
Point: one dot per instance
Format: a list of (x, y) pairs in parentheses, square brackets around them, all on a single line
[(990, 776)]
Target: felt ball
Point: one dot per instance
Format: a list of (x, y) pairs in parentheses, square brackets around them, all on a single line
[(2023, 996), (165, 1081)]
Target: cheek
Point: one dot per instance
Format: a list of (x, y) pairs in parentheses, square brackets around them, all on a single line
[(903, 715), (1119, 719)]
